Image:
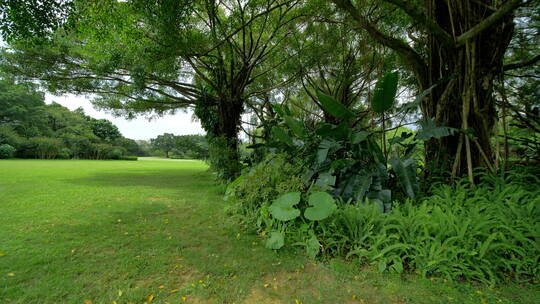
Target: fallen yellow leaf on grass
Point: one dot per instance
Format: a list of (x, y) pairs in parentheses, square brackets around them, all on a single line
[(120, 293), (184, 298), (266, 285), (2, 254), (161, 287), (150, 298), (10, 274), (87, 301), (174, 290)]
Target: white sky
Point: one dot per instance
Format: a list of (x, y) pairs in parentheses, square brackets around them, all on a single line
[(139, 128)]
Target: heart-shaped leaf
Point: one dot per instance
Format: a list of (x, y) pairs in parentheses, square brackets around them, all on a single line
[(275, 241), (323, 205), (282, 207)]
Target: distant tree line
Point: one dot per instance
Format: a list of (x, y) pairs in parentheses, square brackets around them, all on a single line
[(177, 146), (29, 128)]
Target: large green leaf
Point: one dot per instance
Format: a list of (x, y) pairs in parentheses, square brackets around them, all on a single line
[(275, 241), (363, 185), (359, 137), (281, 135), (282, 207), (295, 125), (375, 150), (333, 107), (326, 179), (323, 205), (324, 147), (406, 174), (429, 129), (385, 92)]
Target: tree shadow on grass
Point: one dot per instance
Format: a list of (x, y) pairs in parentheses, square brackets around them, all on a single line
[(171, 179)]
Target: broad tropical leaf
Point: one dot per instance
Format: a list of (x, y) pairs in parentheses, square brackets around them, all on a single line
[(359, 137), (323, 205), (429, 129), (282, 136), (295, 125), (406, 174), (282, 207), (333, 107), (326, 180), (385, 92)]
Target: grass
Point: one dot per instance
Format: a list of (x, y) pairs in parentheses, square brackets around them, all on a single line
[(76, 231)]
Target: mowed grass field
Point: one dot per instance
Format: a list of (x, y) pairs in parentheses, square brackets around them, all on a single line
[(76, 231)]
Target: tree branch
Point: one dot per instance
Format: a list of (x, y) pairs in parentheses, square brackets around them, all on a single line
[(517, 65), (406, 52), (489, 21), (419, 16)]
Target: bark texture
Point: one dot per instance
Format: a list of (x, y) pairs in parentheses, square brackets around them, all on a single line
[(466, 100)]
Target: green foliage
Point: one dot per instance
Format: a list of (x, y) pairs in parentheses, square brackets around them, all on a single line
[(333, 107), (38, 130), (385, 93), (488, 233), (260, 185), (129, 157), (322, 206), (223, 158), (7, 151), (283, 207)]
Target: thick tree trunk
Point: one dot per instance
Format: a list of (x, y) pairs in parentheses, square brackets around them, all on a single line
[(230, 112), (465, 100)]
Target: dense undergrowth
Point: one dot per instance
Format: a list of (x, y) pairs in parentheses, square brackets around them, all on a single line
[(489, 232)]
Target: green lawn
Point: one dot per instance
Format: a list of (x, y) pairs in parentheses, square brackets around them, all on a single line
[(156, 231)]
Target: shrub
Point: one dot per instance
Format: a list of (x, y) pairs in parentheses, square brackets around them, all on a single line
[(261, 184), (7, 151), (64, 153), (223, 160), (129, 157), (116, 154)]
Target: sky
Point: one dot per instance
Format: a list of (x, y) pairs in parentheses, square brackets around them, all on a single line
[(139, 128)]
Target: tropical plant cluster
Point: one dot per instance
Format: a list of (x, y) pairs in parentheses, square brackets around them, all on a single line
[(343, 195)]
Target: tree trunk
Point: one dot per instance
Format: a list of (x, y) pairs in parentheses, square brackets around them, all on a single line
[(230, 112), (465, 100)]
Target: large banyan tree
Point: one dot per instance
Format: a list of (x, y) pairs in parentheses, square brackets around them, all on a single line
[(455, 48), (142, 56)]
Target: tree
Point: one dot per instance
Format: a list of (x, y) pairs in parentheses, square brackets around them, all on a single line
[(458, 46), (144, 57), (165, 142)]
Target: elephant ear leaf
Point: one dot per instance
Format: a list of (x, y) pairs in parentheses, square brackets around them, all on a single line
[(333, 107), (275, 241), (385, 92), (282, 207), (323, 205)]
